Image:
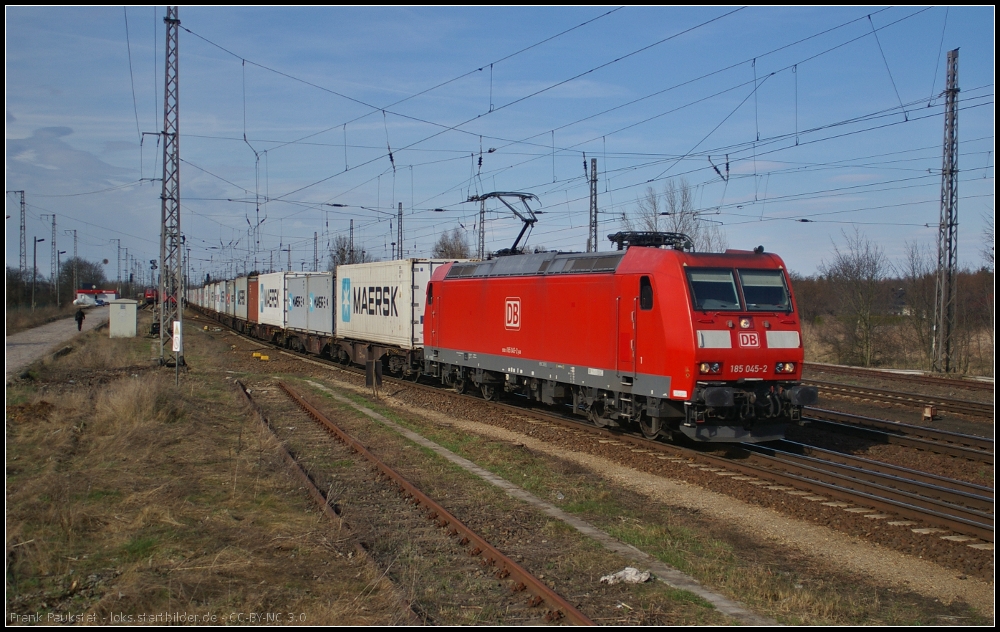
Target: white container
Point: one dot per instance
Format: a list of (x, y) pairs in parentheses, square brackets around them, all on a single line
[(271, 299), (122, 318), (383, 302), (231, 298), (296, 302), (322, 303), (241, 298), (309, 302)]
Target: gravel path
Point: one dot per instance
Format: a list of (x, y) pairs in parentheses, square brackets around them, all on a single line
[(29, 346)]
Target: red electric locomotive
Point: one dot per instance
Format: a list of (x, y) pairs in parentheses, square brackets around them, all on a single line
[(673, 342)]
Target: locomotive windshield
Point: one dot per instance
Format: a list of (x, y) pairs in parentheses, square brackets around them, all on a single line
[(713, 289), (761, 290), (764, 290)]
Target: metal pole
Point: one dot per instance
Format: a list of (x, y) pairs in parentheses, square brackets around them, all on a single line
[(399, 230), (944, 304), (76, 266), (24, 249), (592, 237), (34, 270), (481, 252), (55, 261), (58, 302), (171, 272)]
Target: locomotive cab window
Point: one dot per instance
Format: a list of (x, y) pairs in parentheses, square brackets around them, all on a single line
[(765, 291), (713, 289), (645, 293), (430, 293)]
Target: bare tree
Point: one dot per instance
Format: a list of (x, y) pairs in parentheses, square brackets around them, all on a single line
[(917, 280), (989, 247), (452, 245), (856, 276), (673, 211), (341, 253), (648, 210)]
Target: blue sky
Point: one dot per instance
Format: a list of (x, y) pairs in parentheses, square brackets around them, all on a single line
[(827, 114)]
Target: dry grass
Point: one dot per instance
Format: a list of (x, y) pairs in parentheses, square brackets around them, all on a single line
[(136, 497), (19, 319), (815, 349)]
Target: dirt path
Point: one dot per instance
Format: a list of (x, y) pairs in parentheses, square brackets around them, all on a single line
[(26, 347)]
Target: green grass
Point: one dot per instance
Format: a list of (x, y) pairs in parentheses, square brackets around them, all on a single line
[(139, 548)]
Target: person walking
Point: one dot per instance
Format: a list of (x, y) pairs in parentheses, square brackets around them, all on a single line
[(79, 319)]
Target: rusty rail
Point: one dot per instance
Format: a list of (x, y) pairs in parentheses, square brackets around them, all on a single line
[(491, 556), (945, 382), (301, 474), (930, 439), (944, 404)]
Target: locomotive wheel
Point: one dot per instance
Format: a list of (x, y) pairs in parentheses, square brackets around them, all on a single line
[(459, 386), (650, 426), (595, 415), (490, 392)]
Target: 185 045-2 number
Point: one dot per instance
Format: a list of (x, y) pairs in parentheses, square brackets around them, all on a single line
[(748, 368)]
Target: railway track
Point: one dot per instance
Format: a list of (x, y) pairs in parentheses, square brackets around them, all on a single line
[(956, 505), (938, 505), (818, 481), (824, 481), (979, 449), (549, 605), (943, 404), (946, 382), (903, 474)]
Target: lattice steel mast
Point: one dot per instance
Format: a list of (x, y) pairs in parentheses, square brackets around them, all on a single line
[(171, 269), (592, 235), (24, 248), (481, 250), (399, 231), (944, 298)]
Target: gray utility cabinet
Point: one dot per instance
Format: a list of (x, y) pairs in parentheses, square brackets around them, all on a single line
[(123, 318)]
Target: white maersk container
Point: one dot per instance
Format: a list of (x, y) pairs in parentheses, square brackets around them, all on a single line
[(383, 302), (241, 298), (231, 298), (219, 292), (271, 299), (309, 302)]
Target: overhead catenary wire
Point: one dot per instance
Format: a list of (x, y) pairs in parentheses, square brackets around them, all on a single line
[(415, 205), (937, 64), (446, 128), (891, 80), (135, 108)]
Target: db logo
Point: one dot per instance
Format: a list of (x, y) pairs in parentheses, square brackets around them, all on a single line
[(512, 313), (749, 339)]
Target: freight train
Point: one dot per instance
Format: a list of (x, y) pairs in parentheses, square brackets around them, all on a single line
[(649, 337)]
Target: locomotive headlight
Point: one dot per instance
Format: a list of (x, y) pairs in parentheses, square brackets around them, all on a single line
[(784, 367), (746, 322), (710, 368)]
